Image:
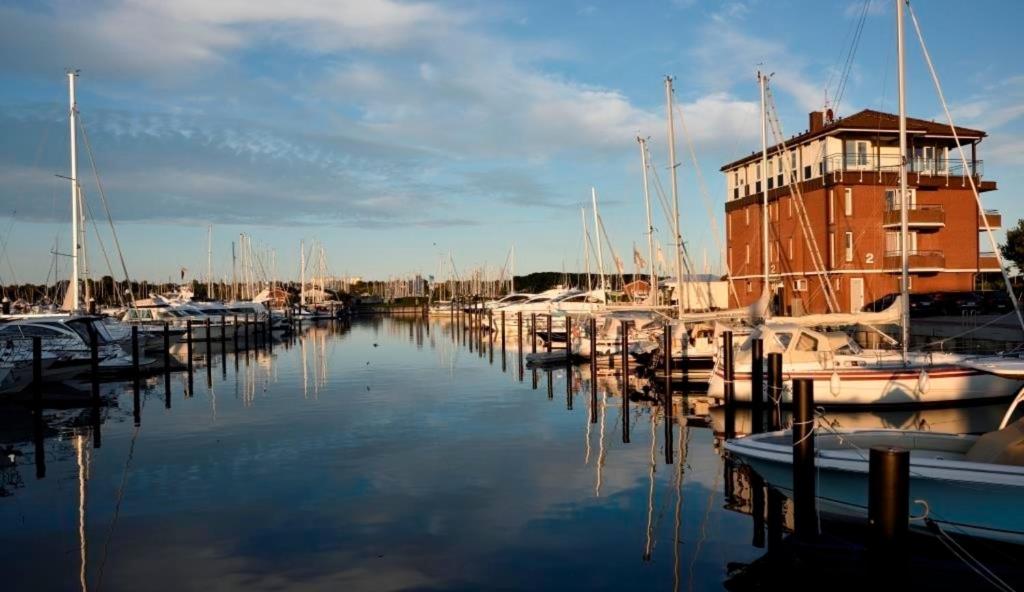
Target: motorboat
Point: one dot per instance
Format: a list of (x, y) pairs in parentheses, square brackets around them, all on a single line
[(966, 484)]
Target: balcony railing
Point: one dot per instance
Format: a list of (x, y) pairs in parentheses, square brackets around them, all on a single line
[(994, 218), (917, 216), (890, 163), (917, 260)]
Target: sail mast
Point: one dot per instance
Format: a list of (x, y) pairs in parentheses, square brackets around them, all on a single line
[(653, 297), (675, 195), (762, 82), (904, 254), (512, 272), (302, 273), (72, 122), (586, 247), (597, 229), (209, 262)]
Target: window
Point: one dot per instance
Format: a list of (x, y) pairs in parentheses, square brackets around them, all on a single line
[(784, 339), (731, 262), (806, 343), (778, 169), (849, 247), (857, 153), (892, 200), (736, 179), (790, 249), (750, 288), (831, 207), (892, 242), (757, 187), (800, 285), (746, 257), (746, 212), (790, 202), (848, 201), (757, 172), (771, 183), (771, 251), (838, 283), (831, 249), (728, 220)]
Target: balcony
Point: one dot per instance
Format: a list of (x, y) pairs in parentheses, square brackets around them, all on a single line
[(987, 261), (994, 218), (918, 261), (918, 217), (890, 163)]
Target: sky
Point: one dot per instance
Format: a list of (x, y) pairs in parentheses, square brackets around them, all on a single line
[(397, 132)]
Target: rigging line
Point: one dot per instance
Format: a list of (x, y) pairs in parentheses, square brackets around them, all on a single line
[(705, 196), (118, 499), (851, 54), (106, 208), (99, 239), (968, 171)]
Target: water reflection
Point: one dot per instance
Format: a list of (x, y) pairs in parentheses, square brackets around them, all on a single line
[(382, 454)]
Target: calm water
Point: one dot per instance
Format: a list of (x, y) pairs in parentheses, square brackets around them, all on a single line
[(379, 455)]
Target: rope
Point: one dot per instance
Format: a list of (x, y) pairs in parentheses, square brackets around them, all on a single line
[(965, 556)]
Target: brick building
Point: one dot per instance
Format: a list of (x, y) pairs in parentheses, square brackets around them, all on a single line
[(845, 173)]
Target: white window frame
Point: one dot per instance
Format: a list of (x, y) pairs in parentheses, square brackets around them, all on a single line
[(800, 285), (790, 248), (848, 201), (848, 245), (832, 250), (746, 258), (831, 207)]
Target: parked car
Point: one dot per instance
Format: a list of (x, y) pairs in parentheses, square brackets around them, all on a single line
[(955, 303), (996, 302), (921, 305)]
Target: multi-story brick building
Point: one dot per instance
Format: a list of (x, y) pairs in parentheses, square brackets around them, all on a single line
[(845, 173)]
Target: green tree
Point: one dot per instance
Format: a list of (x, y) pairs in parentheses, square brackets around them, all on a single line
[(1013, 250)]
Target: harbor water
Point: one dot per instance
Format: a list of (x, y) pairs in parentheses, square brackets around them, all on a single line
[(382, 454)]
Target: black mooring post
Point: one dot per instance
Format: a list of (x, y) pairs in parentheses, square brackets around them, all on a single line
[(568, 338), (94, 365), (135, 352), (804, 511), (593, 370), (728, 370), (888, 500), (757, 507), (503, 339), (37, 370), (167, 347), (756, 386), (533, 332), (533, 372), (568, 387), (223, 330), (245, 323), (188, 353), (667, 349), (209, 338), (775, 390), (625, 384), (490, 327), (551, 384), (550, 336), (519, 335), (234, 333)]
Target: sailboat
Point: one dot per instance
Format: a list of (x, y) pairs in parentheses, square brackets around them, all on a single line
[(846, 374)]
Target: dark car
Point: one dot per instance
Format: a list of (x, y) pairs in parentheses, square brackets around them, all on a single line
[(921, 305), (995, 302), (956, 303)]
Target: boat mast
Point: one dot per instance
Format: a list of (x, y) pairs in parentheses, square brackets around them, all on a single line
[(653, 298), (586, 247), (209, 262), (73, 123), (512, 272), (597, 229), (762, 82), (302, 273), (675, 195), (904, 255), (234, 281)]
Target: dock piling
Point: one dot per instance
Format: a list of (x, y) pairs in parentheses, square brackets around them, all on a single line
[(667, 349), (37, 370), (728, 371), (805, 514), (756, 386), (775, 389), (888, 499)]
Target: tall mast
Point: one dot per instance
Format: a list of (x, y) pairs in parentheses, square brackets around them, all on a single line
[(234, 281), (586, 248), (72, 122), (209, 262), (762, 82), (653, 298), (675, 194), (597, 229), (512, 271), (302, 273), (904, 255)]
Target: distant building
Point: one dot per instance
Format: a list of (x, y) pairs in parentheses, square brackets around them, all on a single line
[(846, 173)]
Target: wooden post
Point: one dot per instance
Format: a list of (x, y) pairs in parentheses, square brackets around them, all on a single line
[(550, 338), (533, 332), (804, 502), (756, 386), (209, 337), (775, 389), (37, 370), (568, 338)]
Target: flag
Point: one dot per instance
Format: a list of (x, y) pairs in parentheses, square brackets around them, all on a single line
[(638, 259), (660, 256), (619, 266)]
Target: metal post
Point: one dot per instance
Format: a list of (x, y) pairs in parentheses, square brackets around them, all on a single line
[(888, 498), (209, 338), (135, 351), (245, 323), (503, 338), (730, 387), (519, 324), (593, 370), (550, 338), (234, 333), (756, 386), (223, 329), (188, 344), (533, 332), (805, 514), (568, 338), (775, 389)]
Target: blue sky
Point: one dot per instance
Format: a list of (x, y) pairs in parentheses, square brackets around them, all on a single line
[(395, 132)]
